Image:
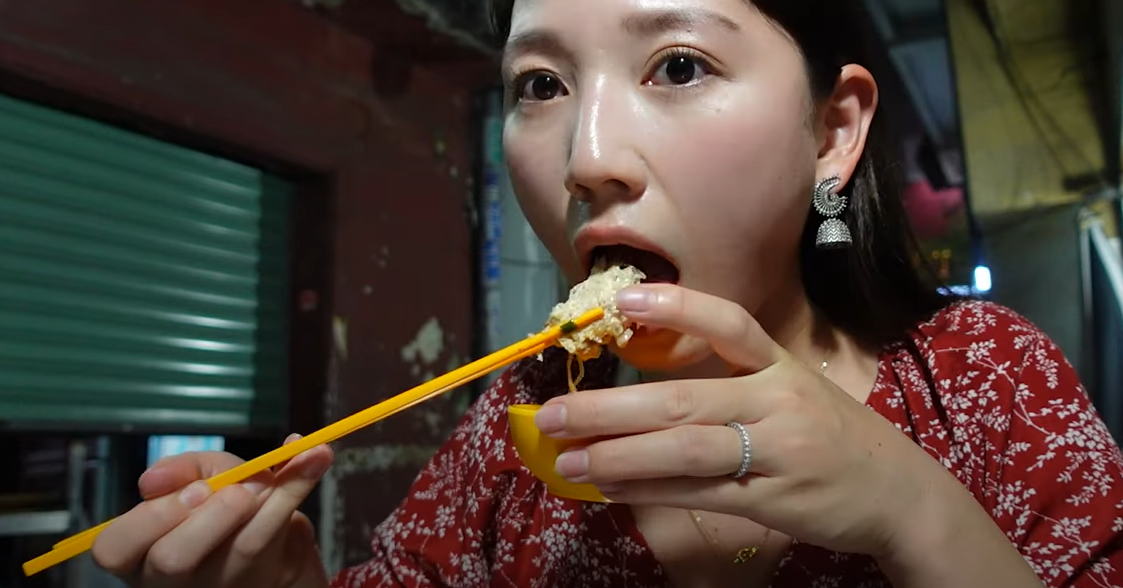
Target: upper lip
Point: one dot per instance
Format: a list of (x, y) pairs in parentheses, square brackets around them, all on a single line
[(592, 236)]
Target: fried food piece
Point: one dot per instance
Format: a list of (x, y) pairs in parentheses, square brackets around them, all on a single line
[(599, 290)]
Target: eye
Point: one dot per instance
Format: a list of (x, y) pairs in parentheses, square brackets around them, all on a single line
[(539, 87), (680, 69)]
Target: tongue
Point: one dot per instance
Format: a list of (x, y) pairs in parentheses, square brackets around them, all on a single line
[(653, 265)]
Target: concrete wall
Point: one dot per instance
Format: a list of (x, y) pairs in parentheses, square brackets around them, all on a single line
[(1033, 141), (1035, 266), (1112, 20), (1026, 105)]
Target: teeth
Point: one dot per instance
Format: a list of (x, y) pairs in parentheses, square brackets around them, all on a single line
[(603, 258), (655, 267)]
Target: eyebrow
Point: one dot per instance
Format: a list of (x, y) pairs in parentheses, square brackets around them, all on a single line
[(662, 21), (644, 24), (535, 41)]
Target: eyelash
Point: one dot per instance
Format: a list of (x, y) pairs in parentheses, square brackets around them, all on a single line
[(700, 59), (520, 77)]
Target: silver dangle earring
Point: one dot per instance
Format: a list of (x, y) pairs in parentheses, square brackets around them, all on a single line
[(833, 233)]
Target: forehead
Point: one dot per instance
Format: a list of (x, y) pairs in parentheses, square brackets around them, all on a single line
[(634, 17)]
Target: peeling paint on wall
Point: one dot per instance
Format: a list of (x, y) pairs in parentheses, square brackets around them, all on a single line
[(377, 458), (332, 397), (381, 258), (433, 420), (426, 345), (448, 18), (328, 4), (461, 404), (331, 522), (339, 335), (436, 414)]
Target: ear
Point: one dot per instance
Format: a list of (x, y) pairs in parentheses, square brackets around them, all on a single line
[(844, 122)]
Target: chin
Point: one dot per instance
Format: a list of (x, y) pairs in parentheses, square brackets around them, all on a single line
[(663, 351)]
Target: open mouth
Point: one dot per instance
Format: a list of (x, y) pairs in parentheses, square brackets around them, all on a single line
[(657, 268)]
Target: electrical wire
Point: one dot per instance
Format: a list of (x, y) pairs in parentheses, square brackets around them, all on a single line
[(1039, 116)]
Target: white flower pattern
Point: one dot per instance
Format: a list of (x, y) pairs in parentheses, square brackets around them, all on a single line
[(981, 389)]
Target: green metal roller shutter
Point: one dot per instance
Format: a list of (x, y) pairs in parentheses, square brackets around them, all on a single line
[(142, 285)]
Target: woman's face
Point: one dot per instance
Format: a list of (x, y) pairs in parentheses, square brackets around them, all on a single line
[(679, 127)]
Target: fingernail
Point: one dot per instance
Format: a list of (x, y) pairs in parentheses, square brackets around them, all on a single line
[(635, 300), (195, 494), (551, 418), (254, 487), (573, 465), (292, 437)]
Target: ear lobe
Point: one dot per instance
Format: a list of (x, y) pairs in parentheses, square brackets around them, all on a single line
[(844, 122)]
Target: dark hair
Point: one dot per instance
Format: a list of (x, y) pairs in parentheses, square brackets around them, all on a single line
[(881, 286)]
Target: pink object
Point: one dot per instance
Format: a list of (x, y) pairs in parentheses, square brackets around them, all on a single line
[(931, 212)]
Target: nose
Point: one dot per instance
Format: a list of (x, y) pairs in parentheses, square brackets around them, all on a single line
[(604, 161)]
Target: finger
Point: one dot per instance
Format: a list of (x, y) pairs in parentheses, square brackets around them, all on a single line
[(180, 553), (293, 437), (299, 543), (718, 493), (297, 479), (660, 405), (686, 451), (291, 487), (732, 332), (171, 488), (121, 547), (173, 473), (750, 494)]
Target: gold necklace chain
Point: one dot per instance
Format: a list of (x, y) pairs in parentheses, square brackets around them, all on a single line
[(745, 553)]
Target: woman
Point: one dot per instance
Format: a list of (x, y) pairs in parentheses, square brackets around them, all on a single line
[(897, 437)]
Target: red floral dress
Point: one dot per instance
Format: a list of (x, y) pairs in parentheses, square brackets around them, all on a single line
[(980, 388)]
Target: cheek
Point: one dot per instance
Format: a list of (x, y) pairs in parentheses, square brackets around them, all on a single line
[(744, 168), (536, 167), (750, 176), (740, 189)]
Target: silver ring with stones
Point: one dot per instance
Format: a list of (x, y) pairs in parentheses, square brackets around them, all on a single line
[(746, 450)]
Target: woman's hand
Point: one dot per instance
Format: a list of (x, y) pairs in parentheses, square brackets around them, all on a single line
[(825, 469), (247, 535)]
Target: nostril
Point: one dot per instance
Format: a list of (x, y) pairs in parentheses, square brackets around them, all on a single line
[(619, 174), (582, 194), (606, 189), (619, 186)]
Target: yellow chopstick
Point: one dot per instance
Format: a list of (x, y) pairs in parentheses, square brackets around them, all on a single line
[(500, 362), (83, 541), (92, 532)]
